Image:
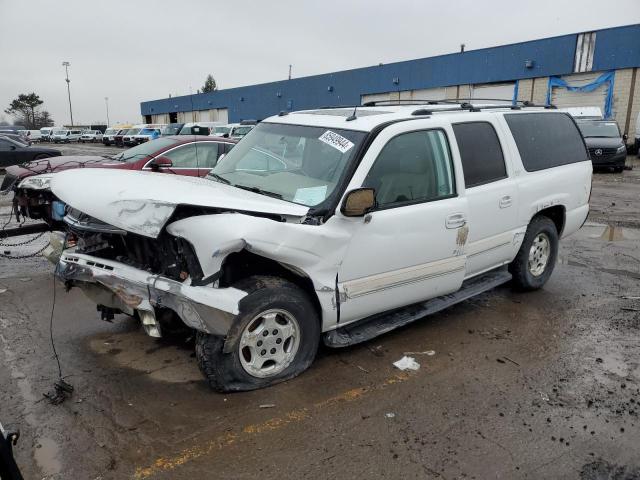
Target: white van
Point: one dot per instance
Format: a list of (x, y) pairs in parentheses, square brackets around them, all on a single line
[(45, 133)]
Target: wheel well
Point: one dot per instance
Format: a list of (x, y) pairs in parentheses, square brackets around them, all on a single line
[(556, 214), (245, 264)]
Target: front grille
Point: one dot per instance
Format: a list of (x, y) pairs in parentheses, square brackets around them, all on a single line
[(604, 152), (8, 182)]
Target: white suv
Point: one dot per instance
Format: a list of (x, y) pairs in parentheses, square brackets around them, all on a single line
[(332, 224)]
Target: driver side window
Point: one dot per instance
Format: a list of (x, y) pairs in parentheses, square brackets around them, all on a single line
[(411, 168), (203, 155)]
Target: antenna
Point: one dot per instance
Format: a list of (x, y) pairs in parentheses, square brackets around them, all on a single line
[(353, 116)]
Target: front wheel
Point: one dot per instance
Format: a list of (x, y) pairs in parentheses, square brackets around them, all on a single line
[(537, 256), (40, 156), (274, 338)]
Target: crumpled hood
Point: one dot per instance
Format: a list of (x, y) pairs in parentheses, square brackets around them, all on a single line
[(142, 202), (65, 162)]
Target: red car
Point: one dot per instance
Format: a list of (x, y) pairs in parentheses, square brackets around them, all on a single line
[(181, 155)]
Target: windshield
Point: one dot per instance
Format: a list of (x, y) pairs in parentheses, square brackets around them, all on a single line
[(143, 150), (296, 163), (599, 129), (147, 131), (110, 131), (241, 131), (221, 130), (132, 131)]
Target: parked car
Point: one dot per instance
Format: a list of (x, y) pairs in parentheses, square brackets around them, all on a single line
[(127, 138), (66, 136), (606, 145), (118, 137), (108, 138), (35, 136), (187, 128), (14, 153), (16, 138), (171, 129), (240, 131), (181, 155), (145, 135), (328, 224), (45, 134), (636, 141), (91, 136)]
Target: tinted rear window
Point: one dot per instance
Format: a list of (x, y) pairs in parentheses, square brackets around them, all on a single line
[(546, 140), (481, 153)]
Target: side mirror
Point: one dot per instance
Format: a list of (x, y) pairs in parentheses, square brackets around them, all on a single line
[(358, 202), (161, 162)]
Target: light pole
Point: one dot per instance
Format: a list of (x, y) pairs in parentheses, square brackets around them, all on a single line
[(106, 101), (66, 66)]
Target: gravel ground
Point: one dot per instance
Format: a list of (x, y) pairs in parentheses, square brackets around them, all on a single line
[(537, 385)]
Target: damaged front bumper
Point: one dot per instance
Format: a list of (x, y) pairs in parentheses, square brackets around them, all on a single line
[(127, 289)]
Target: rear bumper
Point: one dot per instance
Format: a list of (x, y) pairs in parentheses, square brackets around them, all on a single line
[(129, 290)]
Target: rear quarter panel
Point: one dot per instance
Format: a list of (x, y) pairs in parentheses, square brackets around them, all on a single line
[(566, 185)]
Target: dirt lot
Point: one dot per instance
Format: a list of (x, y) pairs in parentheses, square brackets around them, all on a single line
[(537, 385)]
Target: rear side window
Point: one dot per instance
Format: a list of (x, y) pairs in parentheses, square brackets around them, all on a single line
[(546, 140), (481, 153)]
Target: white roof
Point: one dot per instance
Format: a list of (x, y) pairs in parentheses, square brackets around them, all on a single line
[(367, 118)]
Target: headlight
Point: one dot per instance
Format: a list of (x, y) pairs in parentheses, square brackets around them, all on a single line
[(621, 149), (37, 182)]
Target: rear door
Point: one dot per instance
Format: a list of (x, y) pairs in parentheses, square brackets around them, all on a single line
[(491, 192), (410, 248)]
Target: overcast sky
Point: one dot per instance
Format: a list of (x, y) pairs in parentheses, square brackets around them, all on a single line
[(132, 51)]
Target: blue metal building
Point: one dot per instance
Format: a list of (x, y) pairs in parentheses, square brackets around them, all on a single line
[(527, 69)]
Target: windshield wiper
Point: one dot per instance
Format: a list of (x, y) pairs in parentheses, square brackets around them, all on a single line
[(219, 178), (259, 190)]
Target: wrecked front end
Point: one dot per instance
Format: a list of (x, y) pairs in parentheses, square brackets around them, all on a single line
[(124, 272)]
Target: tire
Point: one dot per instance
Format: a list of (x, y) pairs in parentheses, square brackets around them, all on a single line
[(40, 156), (532, 277), (269, 300)]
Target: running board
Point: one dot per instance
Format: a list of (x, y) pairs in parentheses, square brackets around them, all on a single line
[(371, 327)]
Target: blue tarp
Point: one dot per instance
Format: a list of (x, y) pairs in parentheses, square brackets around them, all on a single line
[(605, 78)]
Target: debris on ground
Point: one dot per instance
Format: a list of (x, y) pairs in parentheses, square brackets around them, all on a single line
[(390, 415), (267, 405), (407, 363), (427, 352)]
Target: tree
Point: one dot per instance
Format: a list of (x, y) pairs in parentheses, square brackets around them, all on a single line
[(24, 108), (43, 119), (209, 84)]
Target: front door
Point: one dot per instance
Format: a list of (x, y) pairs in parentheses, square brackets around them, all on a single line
[(411, 247), (193, 159)]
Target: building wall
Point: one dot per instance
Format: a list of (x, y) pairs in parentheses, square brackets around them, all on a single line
[(615, 48)]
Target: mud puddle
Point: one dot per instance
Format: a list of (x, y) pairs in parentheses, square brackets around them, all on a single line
[(161, 359)]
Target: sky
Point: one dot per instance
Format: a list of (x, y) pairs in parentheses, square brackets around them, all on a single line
[(132, 51)]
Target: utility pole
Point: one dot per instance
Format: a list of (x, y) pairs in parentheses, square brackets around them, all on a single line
[(106, 101), (289, 72), (66, 66)]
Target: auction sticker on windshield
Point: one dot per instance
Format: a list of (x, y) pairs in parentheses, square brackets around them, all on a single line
[(336, 140)]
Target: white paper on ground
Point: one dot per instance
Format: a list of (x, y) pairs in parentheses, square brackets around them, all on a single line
[(407, 363)]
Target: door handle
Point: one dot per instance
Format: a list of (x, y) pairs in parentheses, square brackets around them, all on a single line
[(456, 220), (505, 201)]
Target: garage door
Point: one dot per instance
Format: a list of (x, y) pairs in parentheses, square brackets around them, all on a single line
[(420, 94), (561, 97), (499, 91)]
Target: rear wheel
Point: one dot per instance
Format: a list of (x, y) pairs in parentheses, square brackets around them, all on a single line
[(40, 156), (274, 338), (537, 256)]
